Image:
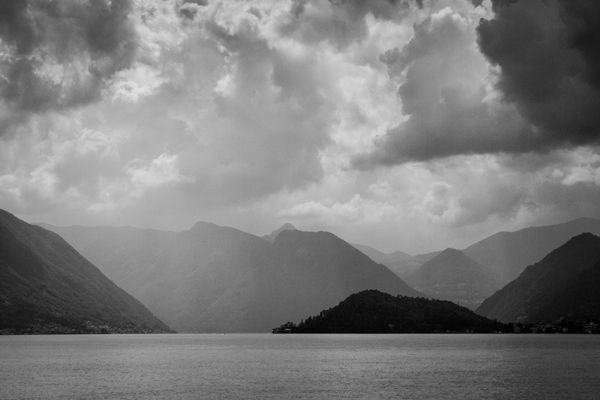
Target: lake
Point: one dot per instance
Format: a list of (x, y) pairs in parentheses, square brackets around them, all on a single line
[(265, 366)]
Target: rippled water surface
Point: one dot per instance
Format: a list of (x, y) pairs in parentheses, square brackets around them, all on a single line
[(264, 366)]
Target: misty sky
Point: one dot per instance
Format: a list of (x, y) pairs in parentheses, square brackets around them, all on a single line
[(404, 125)]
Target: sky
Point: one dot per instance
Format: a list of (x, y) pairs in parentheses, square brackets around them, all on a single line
[(410, 125)]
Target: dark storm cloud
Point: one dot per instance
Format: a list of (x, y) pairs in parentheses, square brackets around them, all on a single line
[(59, 54), (188, 8), (548, 54)]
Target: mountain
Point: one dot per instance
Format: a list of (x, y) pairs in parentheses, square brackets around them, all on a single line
[(371, 311), (306, 272), (376, 255), (452, 275), (218, 279), (178, 275), (285, 227), (94, 242), (508, 253), (564, 284), (47, 286), (398, 262)]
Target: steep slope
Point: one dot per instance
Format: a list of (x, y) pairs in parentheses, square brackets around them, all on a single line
[(509, 253), (371, 311), (451, 275), (96, 243), (423, 258), (177, 275), (45, 282), (285, 227), (306, 272), (562, 284), (398, 262)]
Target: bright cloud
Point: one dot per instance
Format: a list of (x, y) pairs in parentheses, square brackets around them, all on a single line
[(406, 125)]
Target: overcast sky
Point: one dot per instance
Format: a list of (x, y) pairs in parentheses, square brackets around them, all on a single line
[(404, 125)]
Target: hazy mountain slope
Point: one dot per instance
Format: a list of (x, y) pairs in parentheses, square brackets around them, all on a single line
[(451, 275), (562, 284), (44, 280), (92, 242), (398, 262), (306, 272), (285, 227), (371, 311), (423, 258), (102, 244), (377, 255), (213, 278), (509, 253), (177, 275)]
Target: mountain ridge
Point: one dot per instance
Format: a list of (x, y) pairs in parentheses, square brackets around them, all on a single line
[(219, 279), (307, 271), (553, 287), (452, 275), (46, 282), (273, 235), (505, 253)]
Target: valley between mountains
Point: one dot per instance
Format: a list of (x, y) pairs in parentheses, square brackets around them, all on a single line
[(217, 279)]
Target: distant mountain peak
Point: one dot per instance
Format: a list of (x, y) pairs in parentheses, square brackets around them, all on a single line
[(448, 261), (285, 227), (452, 275), (452, 251), (202, 225)]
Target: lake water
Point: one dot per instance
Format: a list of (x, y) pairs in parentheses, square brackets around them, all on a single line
[(265, 366)]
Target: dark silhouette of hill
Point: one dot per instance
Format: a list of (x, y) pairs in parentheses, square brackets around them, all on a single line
[(451, 275), (306, 272), (508, 253), (217, 279), (564, 284), (45, 284), (372, 311), (400, 263), (285, 227)]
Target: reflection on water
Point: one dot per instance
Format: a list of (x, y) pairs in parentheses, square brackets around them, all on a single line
[(263, 366)]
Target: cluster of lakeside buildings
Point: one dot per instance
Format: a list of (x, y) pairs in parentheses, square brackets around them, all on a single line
[(88, 327), (589, 326)]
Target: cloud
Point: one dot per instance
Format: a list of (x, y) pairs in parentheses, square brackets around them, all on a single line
[(58, 55), (247, 114), (213, 111), (548, 52), (340, 22), (523, 79)]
